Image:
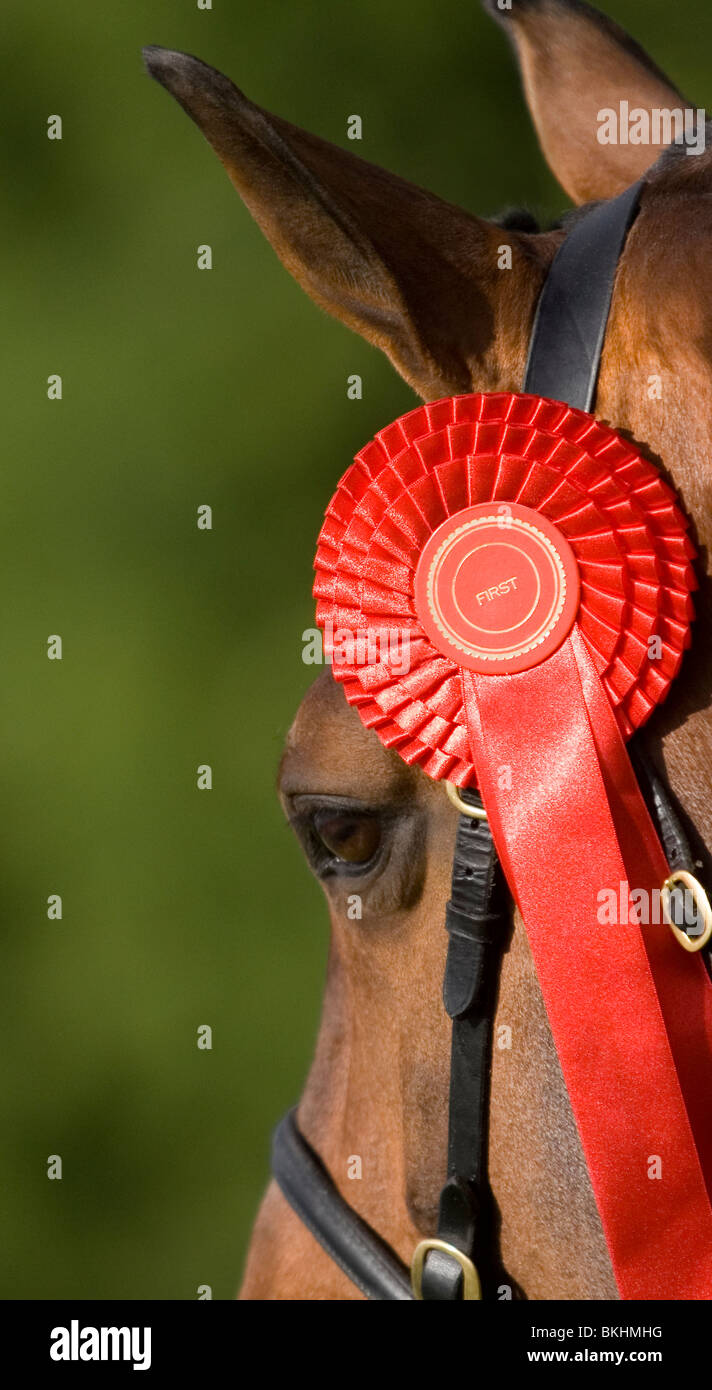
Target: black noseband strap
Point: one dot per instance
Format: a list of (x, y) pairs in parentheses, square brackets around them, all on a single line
[(570, 324), (370, 1264)]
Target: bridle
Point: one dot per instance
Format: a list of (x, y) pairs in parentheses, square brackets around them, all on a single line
[(461, 1261)]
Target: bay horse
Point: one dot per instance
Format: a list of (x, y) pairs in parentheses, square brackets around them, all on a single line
[(424, 281)]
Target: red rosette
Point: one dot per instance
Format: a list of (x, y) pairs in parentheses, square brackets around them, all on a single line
[(541, 570), (625, 531)]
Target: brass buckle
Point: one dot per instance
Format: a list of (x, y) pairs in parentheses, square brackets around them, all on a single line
[(474, 812), (471, 1287), (702, 904)]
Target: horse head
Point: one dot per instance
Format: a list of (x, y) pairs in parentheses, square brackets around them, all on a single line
[(450, 298)]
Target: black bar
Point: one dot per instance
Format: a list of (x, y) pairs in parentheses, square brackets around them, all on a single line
[(205, 1340)]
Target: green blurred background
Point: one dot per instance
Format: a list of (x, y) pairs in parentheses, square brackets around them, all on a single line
[(183, 647)]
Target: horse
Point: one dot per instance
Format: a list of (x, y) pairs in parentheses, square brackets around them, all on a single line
[(425, 282)]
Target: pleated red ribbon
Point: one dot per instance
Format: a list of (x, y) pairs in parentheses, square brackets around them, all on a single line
[(532, 574)]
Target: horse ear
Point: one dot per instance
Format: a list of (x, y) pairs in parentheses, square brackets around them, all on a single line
[(419, 278), (577, 64)]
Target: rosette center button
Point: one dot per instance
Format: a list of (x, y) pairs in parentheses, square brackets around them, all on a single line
[(497, 589)]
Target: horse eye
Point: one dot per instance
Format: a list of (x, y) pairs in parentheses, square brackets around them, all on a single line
[(348, 836)]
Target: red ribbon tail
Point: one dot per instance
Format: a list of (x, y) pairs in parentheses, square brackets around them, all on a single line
[(630, 1012)]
